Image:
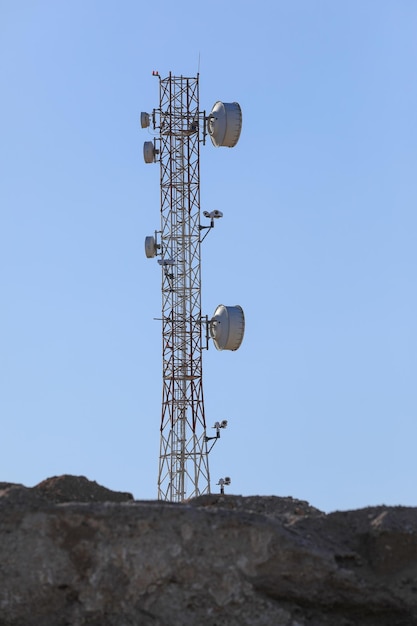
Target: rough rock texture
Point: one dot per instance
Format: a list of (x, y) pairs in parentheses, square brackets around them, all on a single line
[(72, 552)]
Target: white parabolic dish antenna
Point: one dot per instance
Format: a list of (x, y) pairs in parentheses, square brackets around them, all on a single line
[(144, 119), (150, 247), (224, 124), (148, 152), (227, 327)]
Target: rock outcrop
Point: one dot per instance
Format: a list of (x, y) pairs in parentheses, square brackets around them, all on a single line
[(73, 553)]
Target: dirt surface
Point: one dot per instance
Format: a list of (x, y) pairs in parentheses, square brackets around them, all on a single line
[(74, 552), (59, 489)]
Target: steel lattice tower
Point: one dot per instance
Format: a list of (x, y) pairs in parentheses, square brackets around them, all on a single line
[(183, 450), (181, 129)]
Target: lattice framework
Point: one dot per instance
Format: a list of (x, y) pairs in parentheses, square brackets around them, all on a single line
[(183, 461)]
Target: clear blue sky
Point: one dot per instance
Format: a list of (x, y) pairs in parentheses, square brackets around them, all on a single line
[(317, 243)]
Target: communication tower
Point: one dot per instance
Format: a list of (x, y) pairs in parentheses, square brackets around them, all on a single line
[(179, 128)]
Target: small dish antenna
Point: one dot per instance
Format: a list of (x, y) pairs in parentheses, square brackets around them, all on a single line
[(150, 247), (144, 119), (149, 152), (224, 481), (227, 327), (216, 214), (224, 124)]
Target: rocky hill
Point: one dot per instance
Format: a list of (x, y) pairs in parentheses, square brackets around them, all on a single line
[(73, 552)]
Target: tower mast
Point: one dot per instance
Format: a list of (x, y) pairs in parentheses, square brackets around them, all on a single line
[(181, 128), (183, 459)]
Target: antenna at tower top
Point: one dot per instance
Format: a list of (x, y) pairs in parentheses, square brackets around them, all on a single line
[(224, 124)]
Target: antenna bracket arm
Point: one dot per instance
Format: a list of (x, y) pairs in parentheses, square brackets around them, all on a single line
[(205, 321)]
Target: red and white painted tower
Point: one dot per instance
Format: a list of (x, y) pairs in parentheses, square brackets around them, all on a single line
[(180, 128)]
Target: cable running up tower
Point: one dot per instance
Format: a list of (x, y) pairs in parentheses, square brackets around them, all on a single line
[(181, 128)]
